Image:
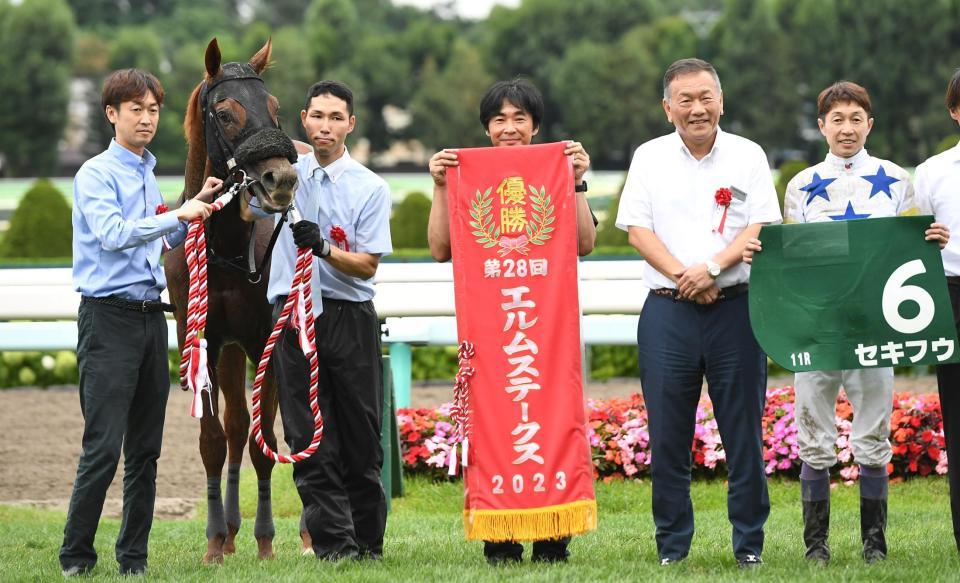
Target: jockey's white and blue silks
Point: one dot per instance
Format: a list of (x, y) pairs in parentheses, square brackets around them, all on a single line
[(114, 255), (840, 189)]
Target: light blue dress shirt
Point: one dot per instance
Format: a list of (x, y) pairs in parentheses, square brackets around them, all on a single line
[(345, 197), (116, 229)]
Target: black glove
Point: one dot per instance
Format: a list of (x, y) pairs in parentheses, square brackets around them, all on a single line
[(307, 235)]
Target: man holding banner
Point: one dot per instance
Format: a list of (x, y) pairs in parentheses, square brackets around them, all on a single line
[(505, 501), (690, 202), (937, 180), (848, 184)]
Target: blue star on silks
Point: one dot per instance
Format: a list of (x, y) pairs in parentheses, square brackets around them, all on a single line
[(849, 214), (817, 187), (881, 182)]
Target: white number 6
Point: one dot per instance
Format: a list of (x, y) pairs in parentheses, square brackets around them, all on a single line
[(895, 293)]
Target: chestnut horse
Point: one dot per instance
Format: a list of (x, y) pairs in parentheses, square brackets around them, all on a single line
[(232, 131)]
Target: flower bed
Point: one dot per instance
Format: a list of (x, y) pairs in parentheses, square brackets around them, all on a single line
[(620, 440)]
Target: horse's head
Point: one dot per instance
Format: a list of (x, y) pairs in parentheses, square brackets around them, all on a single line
[(244, 142)]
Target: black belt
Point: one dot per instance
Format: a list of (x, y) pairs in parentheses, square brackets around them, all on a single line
[(144, 306), (953, 280), (727, 293)]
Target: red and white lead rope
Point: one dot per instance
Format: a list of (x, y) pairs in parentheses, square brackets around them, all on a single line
[(460, 411), (300, 303), (194, 367)]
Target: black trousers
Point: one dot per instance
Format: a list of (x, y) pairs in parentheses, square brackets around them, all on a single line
[(948, 384), (679, 344), (343, 499), (124, 385)]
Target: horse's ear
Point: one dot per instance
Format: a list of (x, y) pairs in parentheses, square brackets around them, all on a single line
[(212, 59), (261, 60)]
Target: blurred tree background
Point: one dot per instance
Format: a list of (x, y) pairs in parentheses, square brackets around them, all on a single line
[(418, 74)]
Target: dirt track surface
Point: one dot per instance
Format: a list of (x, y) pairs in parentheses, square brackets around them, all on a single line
[(42, 430)]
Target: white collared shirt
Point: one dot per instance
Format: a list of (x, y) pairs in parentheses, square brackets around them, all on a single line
[(351, 205), (857, 187), (672, 193), (938, 191)]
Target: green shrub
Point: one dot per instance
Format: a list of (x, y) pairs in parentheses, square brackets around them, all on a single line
[(607, 362), (40, 227), (32, 368), (608, 235), (408, 226), (788, 170), (946, 143)]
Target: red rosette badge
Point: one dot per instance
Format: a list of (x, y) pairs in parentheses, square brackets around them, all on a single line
[(339, 236), (162, 208), (723, 196)]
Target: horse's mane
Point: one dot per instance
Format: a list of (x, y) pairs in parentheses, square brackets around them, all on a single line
[(195, 170)]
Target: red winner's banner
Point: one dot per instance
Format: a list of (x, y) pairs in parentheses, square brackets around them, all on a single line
[(513, 232)]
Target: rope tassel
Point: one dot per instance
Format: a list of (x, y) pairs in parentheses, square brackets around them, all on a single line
[(460, 411), (199, 378)]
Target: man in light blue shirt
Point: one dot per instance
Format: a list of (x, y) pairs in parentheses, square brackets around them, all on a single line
[(118, 225), (346, 212)]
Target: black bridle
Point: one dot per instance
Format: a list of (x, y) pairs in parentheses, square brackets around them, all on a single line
[(229, 158)]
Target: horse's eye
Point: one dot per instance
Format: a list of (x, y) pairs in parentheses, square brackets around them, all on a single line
[(224, 116)]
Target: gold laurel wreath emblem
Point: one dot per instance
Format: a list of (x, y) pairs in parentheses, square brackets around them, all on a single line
[(487, 231)]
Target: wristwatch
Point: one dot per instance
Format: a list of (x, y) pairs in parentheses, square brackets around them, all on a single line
[(713, 268), (582, 187)]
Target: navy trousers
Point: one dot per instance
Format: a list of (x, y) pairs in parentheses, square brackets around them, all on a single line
[(680, 343), (948, 383)]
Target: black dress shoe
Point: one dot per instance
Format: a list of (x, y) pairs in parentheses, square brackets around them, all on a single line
[(498, 560), (549, 558), (76, 570), (749, 561), (133, 570)]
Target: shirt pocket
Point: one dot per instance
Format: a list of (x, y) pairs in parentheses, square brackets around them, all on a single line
[(738, 214)]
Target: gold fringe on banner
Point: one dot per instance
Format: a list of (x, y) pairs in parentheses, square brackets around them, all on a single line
[(528, 524)]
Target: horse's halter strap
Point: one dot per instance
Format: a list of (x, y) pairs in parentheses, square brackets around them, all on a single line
[(250, 145), (222, 154)]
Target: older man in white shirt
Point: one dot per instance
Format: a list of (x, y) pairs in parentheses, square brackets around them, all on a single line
[(691, 200), (937, 181)]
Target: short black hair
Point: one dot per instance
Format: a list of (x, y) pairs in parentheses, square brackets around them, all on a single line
[(328, 87), (518, 91), (953, 91)]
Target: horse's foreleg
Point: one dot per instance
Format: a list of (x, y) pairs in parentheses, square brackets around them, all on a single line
[(231, 372), (263, 528), (213, 451)]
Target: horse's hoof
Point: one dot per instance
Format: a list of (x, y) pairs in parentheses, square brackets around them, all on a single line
[(306, 552), (265, 548), (214, 554), (230, 543), (306, 543)]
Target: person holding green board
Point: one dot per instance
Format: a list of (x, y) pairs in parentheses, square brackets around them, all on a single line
[(849, 184)]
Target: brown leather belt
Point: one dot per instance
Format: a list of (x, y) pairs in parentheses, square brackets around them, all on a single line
[(727, 293)]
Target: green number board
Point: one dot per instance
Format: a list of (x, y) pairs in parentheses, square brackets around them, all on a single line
[(851, 294)]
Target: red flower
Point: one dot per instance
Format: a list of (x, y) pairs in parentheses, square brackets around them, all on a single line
[(161, 208), (723, 196)]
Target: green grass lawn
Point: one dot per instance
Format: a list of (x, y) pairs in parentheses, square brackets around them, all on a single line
[(425, 542)]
